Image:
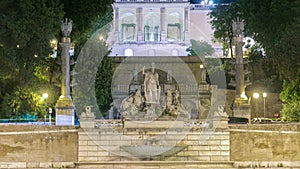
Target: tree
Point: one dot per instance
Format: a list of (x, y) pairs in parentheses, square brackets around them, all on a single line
[(221, 19), (267, 21), (288, 56), (24, 41), (103, 84), (86, 33), (275, 25), (200, 49)]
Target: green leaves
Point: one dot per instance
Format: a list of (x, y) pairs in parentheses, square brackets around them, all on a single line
[(103, 84), (200, 49), (222, 17)]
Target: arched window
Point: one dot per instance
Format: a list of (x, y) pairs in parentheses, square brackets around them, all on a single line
[(151, 26), (147, 33), (175, 52), (128, 52), (128, 27), (174, 26)]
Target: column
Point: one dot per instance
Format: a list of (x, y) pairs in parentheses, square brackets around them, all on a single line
[(239, 76), (65, 109), (163, 35), (186, 25), (139, 21), (65, 67), (116, 34)]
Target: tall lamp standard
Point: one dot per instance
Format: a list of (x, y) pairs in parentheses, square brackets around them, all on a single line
[(45, 96), (256, 96), (64, 108), (203, 74), (264, 94)]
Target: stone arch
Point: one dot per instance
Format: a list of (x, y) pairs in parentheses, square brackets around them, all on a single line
[(175, 52), (151, 52)]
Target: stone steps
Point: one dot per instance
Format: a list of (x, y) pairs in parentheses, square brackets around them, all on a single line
[(171, 165), (156, 165)]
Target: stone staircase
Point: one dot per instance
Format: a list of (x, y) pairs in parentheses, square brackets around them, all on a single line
[(157, 165), (179, 165)]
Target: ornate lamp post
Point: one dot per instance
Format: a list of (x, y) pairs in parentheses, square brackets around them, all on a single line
[(45, 96), (241, 107), (203, 74), (256, 96), (264, 95), (65, 108), (238, 28)]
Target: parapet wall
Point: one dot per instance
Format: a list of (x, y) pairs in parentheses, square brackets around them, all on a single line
[(197, 144), (265, 142), (30, 146)]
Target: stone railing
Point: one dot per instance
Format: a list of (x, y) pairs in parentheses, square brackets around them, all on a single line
[(204, 87), (108, 123), (120, 88)]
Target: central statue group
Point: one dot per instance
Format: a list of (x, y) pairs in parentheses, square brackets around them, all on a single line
[(151, 105)]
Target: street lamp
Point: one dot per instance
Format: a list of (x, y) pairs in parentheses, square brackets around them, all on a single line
[(255, 96), (264, 94), (53, 44), (45, 96), (206, 3), (203, 74)]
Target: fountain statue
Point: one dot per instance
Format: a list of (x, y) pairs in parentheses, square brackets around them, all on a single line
[(151, 85), (149, 105)]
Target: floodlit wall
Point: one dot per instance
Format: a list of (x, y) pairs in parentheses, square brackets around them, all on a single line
[(33, 146), (265, 142)]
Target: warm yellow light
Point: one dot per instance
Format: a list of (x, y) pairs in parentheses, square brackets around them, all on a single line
[(53, 41), (264, 94), (53, 44), (101, 37), (45, 95), (255, 95), (35, 55), (243, 95)]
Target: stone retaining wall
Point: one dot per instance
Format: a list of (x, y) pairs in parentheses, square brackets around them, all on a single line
[(98, 145), (29, 146), (265, 142)]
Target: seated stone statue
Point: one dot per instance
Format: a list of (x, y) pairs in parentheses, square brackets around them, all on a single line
[(132, 104), (138, 100)]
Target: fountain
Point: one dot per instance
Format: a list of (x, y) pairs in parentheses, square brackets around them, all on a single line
[(156, 126), (150, 110), (151, 105)]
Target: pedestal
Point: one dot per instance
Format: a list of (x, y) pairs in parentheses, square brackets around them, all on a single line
[(65, 112), (87, 122), (242, 109)]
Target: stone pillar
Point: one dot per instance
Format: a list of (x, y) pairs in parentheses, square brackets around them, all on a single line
[(139, 21), (117, 31), (241, 106), (239, 67), (163, 34), (186, 25), (65, 109)]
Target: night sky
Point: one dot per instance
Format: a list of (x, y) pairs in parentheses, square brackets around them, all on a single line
[(215, 1)]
